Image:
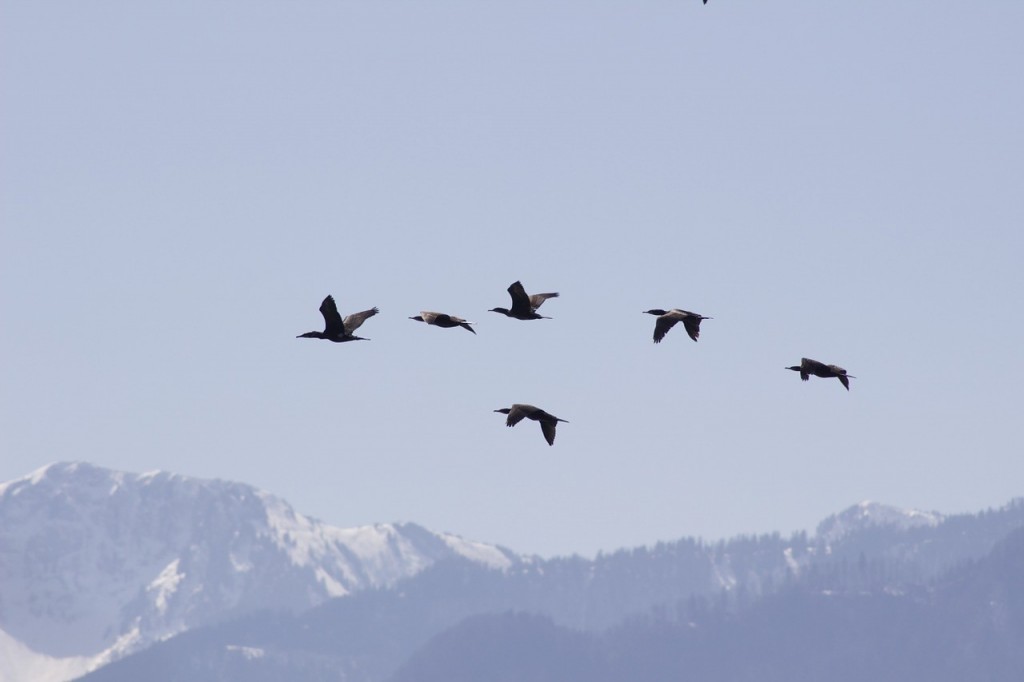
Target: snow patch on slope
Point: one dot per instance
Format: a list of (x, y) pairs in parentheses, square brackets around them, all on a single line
[(19, 663), (478, 552), (791, 563), (165, 585), (247, 652)]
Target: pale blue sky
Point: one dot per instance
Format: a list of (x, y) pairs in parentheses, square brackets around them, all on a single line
[(183, 182)]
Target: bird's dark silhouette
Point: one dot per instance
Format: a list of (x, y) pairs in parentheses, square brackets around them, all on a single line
[(524, 306), (668, 318), (442, 320), (807, 367), (520, 411), (335, 328)]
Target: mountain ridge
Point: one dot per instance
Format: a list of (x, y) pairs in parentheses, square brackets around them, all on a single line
[(96, 563), (368, 636)]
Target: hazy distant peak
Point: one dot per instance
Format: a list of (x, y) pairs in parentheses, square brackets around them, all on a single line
[(77, 477), (868, 514), (48, 473)]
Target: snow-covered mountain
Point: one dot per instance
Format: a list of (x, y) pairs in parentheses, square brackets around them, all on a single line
[(882, 568), (869, 514), (95, 564)]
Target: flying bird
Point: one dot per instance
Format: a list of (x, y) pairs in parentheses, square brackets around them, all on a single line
[(807, 367), (524, 306), (668, 318), (519, 411), (442, 320), (335, 328)]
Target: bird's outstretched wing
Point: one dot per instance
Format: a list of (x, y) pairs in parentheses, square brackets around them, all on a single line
[(353, 321), (813, 367), (662, 325), (548, 429), (454, 321), (440, 319), (844, 381), (333, 326), (520, 301), (515, 415), (537, 300), (692, 325)]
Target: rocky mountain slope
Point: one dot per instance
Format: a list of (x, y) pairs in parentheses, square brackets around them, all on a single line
[(881, 598), (95, 564)]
